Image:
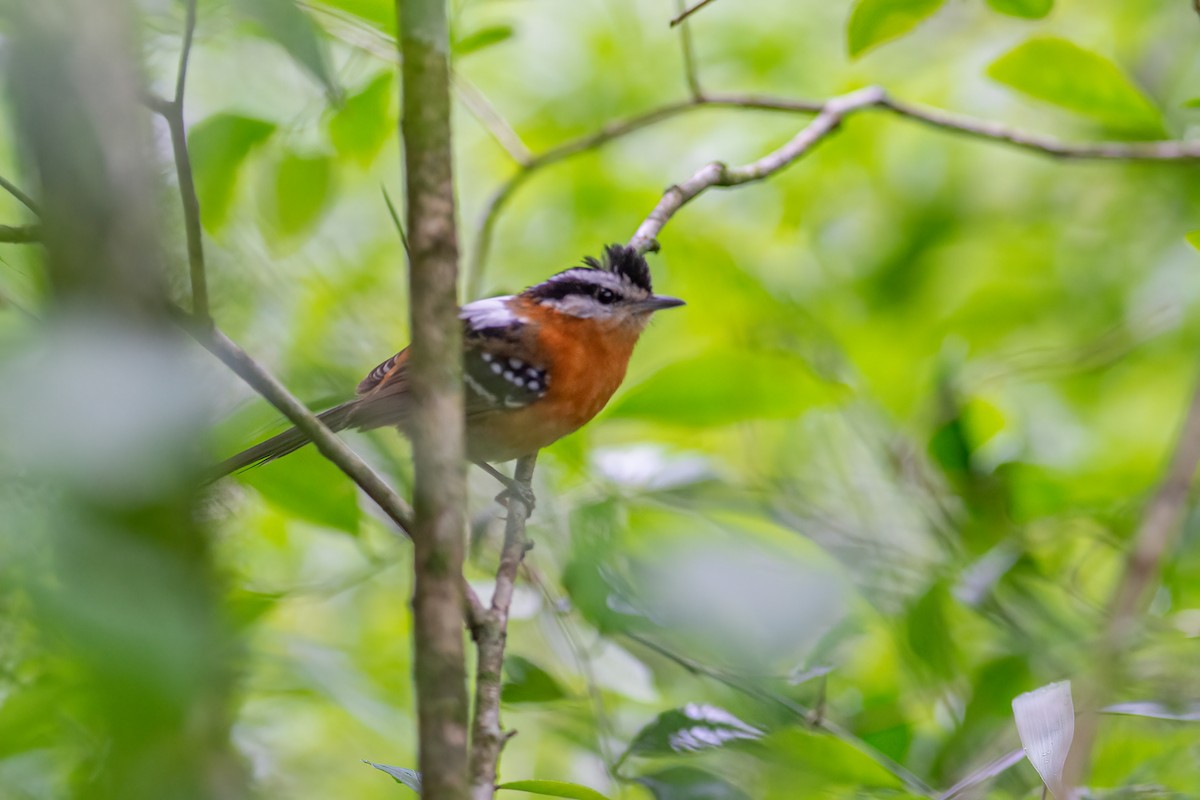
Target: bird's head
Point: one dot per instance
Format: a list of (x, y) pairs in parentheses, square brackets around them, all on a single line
[(615, 290)]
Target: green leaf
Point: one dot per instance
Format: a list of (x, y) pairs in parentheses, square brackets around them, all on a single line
[(379, 14), (1193, 239), (687, 783), (309, 487), (1060, 72), (696, 726), (874, 22), (302, 191), (554, 789), (721, 386), (1028, 9), (365, 121), (480, 39), (409, 777), (826, 761), (285, 23), (218, 147), (1193, 103), (528, 683)]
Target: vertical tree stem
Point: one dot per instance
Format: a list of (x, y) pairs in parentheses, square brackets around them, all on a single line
[(438, 422)]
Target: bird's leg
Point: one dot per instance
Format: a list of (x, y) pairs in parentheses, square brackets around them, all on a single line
[(513, 488)]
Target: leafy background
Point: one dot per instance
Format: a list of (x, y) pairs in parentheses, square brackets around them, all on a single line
[(878, 475)]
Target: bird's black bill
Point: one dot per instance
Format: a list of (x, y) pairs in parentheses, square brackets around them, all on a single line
[(658, 302)]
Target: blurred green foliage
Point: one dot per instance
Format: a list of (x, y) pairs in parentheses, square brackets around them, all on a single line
[(874, 481)]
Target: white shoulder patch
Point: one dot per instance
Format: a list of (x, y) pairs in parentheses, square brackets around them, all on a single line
[(490, 313)]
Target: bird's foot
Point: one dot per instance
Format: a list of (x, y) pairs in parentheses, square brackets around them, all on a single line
[(517, 491)]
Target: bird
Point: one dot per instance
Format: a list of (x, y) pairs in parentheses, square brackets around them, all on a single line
[(537, 365)]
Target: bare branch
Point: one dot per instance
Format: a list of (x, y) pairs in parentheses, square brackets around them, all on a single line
[(330, 445), (20, 234), (436, 385), (487, 737), (1156, 535), (690, 71), (16, 192), (687, 12)]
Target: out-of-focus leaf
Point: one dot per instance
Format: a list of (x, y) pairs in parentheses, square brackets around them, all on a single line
[(409, 777), (309, 487), (825, 760), (1190, 713), (989, 770), (687, 783), (553, 789), (218, 147), (480, 39), (528, 683), (379, 14), (26, 719), (1029, 9), (1193, 239), (1045, 721), (300, 194), (696, 726), (1193, 103), (1065, 74), (284, 22), (247, 607), (720, 387), (874, 22), (928, 631), (365, 121)]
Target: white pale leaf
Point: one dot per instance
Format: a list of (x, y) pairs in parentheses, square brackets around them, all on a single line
[(1046, 724)]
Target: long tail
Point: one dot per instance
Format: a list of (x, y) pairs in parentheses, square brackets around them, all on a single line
[(291, 440)]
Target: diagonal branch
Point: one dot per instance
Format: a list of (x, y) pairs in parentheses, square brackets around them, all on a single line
[(684, 13), (691, 72), (490, 633), (16, 192)]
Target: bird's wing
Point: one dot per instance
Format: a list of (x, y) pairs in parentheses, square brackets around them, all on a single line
[(499, 369)]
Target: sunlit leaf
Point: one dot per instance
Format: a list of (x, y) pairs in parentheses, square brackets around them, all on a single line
[(687, 783), (309, 487), (696, 726), (528, 683), (301, 193), (553, 789), (825, 759), (218, 147), (1045, 721), (1062, 73), (481, 39), (288, 25), (409, 777), (1029, 9), (723, 386), (873, 22), (365, 121), (1193, 239)]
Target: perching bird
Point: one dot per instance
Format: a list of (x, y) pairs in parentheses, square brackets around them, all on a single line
[(536, 366)]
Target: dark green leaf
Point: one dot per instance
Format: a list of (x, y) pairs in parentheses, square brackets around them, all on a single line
[(554, 789), (284, 22), (874, 22), (1029, 9), (1062, 73), (482, 38), (928, 634), (301, 192), (528, 683), (694, 727), (686, 783), (704, 390), (409, 777), (365, 121), (309, 487), (218, 147)]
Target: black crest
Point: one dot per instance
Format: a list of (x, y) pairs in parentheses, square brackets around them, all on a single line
[(625, 261)]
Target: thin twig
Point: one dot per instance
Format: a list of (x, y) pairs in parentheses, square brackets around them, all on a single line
[(750, 689), (330, 445), (491, 120), (16, 192), (391, 207), (185, 52), (1156, 535), (687, 12), (487, 736), (691, 72), (20, 234)]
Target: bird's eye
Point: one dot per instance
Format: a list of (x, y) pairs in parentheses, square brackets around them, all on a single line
[(606, 296)]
